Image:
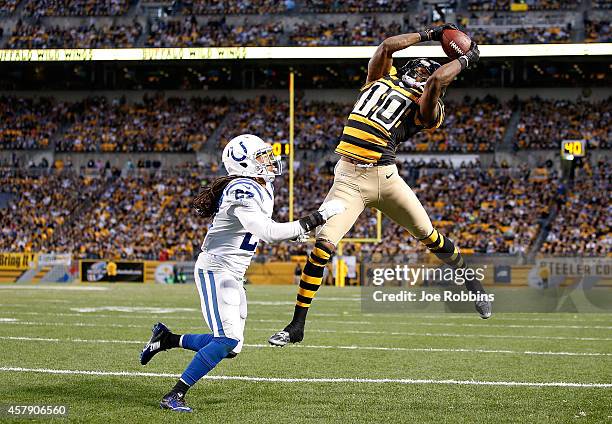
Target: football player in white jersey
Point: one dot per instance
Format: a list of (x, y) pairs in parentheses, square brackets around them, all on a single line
[(241, 204)]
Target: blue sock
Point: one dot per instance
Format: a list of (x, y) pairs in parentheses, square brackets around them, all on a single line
[(207, 358), (195, 342)]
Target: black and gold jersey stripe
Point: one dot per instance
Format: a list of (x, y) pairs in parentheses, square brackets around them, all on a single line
[(385, 115)]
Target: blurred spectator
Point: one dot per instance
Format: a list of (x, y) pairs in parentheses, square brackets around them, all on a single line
[(155, 124), (582, 225), (597, 31), (76, 7), (359, 6), (545, 123), (234, 7), (8, 6), (499, 5), (523, 35), (27, 123), (42, 37), (188, 33), (473, 125)]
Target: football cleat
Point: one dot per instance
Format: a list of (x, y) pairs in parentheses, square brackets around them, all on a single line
[(174, 402), (291, 334), (153, 347), (483, 307), (279, 339)]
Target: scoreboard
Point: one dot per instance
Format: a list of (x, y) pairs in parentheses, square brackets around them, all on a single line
[(571, 149)]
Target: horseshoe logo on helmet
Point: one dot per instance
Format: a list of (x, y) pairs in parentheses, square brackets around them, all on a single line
[(244, 156)]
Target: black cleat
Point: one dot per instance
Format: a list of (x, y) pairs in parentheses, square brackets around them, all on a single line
[(154, 346), (483, 307), (293, 333)]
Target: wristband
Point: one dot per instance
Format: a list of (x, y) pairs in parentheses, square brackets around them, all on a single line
[(312, 221), (425, 35), (463, 61)]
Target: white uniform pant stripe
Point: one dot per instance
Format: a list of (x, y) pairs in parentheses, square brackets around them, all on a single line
[(204, 290)]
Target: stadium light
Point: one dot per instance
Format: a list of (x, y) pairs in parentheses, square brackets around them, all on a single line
[(246, 53)]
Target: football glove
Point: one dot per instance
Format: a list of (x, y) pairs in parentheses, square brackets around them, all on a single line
[(302, 238), (435, 34), (470, 58), (331, 208)]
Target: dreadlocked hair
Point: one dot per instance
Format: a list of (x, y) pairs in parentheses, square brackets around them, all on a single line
[(206, 203)]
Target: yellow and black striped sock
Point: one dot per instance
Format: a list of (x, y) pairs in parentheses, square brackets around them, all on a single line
[(312, 277), (447, 252), (444, 249)]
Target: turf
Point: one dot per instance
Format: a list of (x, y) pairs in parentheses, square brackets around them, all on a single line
[(494, 351)]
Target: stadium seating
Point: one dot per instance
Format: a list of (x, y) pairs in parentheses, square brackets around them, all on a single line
[(545, 123), (234, 7), (190, 33), (26, 36), (27, 123), (155, 124), (8, 6), (582, 224), (473, 125), (503, 5), (76, 7)]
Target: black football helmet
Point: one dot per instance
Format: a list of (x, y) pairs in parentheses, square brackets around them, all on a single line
[(416, 71)]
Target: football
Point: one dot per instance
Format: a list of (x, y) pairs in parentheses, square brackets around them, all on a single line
[(455, 43)]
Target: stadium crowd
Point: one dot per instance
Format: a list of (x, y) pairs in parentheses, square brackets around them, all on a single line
[(40, 205), (133, 214), (503, 5), (27, 123), (545, 123), (156, 124), (597, 31), (583, 223), (473, 125), (8, 6), (39, 8), (523, 35), (367, 32), (189, 33), (26, 36), (236, 7)]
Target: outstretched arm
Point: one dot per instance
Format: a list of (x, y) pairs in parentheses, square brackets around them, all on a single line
[(440, 80), (380, 64), (270, 231)]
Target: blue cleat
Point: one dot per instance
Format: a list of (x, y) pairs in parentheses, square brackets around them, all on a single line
[(174, 402), (154, 345)]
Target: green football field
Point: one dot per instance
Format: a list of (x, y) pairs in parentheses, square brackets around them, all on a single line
[(78, 346)]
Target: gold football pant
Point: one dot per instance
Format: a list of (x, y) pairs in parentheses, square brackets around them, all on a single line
[(378, 187), (359, 187)]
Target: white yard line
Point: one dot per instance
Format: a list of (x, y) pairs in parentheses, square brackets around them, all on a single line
[(352, 347), (271, 330), (313, 380), (152, 317)]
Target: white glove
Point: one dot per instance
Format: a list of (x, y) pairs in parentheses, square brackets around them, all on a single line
[(331, 208), (302, 238)]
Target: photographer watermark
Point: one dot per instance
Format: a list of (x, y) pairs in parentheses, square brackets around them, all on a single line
[(411, 275), (551, 284)]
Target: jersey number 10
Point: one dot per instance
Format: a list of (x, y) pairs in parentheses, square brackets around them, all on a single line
[(382, 104)]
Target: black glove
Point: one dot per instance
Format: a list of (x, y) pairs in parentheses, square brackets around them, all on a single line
[(470, 58), (435, 34)]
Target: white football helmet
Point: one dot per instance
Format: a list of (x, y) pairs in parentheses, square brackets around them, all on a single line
[(248, 155)]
